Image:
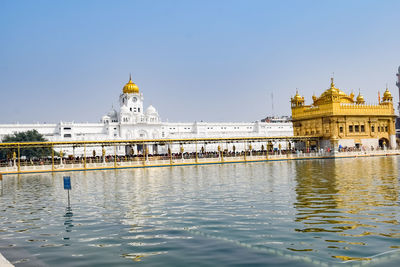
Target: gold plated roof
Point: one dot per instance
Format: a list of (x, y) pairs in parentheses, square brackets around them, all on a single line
[(130, 87), (333, 94), (387, 95), (360, 98)]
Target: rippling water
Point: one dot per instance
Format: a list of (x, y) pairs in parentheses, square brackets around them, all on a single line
[(301, 212)]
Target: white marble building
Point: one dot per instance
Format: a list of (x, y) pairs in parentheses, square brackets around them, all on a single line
[(132, 121)]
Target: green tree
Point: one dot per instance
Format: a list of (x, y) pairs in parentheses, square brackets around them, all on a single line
[(30, 152)]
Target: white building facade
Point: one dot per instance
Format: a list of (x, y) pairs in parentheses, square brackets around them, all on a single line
[(133, 122)]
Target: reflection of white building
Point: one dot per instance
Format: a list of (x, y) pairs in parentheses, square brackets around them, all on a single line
[(133, 122)]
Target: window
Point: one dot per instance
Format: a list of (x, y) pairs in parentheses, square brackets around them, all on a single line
[(67, 128), (341, 129), (372, 128), (386, 128), (351, 128), (130, 109), (357, 128), (362, 128), (138, 109), (67, 135)]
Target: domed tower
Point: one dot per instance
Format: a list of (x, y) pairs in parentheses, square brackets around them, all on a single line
[(152, 115), (131, 103), (297, 100), (387, 96), (360, 99)]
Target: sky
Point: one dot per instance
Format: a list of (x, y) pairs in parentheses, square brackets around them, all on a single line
[(193, 60)]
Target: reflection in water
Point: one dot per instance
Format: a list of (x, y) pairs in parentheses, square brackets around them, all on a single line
[(68, 222), (263, 213), (350, 198)]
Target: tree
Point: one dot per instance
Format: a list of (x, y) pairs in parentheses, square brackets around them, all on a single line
[(29, 152)]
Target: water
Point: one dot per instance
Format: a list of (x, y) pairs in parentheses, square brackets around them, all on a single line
[(307, 213)]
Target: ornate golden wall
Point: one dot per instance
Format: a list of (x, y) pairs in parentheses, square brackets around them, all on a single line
[(336, 116)]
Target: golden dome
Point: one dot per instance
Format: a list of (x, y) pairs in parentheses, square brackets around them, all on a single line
[(130, 87), (387, 96), (297, 100), (297, 96), (360, 99), (333, 94)]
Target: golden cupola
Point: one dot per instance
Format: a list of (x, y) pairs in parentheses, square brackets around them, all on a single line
[(297, 100), (360, 99), (333, 94), (387, 96), (130, 87)]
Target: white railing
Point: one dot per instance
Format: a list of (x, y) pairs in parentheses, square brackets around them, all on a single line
[(178, 161)]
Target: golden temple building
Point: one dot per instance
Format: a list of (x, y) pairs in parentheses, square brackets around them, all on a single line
[(340, 121)]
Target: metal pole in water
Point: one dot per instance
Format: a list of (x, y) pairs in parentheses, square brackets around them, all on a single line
[(69, 203)]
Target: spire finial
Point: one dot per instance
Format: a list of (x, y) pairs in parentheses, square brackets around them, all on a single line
[(332, 83), (130, 76)]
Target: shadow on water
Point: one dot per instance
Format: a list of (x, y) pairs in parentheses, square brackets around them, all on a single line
[(68, 223), (346, 209)]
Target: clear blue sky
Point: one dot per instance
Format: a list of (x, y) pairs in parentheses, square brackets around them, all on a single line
[(193, 60)]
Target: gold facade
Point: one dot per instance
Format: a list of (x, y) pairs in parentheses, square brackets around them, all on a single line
[(338, 119)]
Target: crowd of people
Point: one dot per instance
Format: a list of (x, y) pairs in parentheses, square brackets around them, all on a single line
[(140, 156)]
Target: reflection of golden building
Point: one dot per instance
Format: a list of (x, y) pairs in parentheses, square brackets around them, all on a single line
[(340, 120), (342, 203)]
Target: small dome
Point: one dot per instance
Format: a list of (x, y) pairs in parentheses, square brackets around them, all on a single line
[(297, 96), (151, 111), (387, 94), (112, 114), (360, 99), (130, 87)]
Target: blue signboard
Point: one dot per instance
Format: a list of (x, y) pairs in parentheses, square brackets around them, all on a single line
[(67, 183)]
